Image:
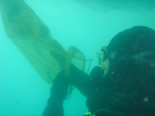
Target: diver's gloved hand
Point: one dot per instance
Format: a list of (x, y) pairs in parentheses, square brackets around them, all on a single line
[(58, 94)]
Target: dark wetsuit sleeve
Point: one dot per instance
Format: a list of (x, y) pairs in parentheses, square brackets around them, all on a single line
[(57, 96), (59, 89), (81, 81)]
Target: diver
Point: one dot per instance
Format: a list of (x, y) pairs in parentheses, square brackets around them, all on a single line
[(123, 84)]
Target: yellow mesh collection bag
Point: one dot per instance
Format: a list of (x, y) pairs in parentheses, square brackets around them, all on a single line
[(33, 39)]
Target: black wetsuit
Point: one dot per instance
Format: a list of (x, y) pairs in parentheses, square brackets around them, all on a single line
[(114, 95)]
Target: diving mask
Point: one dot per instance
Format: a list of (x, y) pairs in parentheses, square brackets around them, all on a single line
[(103, 59), (102, 54)]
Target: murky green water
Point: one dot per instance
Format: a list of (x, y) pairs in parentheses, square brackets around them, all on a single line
[(87, 24)]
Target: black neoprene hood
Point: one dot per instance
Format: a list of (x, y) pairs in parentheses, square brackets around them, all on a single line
[(133, 40)]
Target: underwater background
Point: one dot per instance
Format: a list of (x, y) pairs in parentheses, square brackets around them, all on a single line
[(86, 24)]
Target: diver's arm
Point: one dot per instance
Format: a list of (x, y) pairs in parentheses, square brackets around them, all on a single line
[(57, 96), (59, 90), (82, 81), (87, 85)]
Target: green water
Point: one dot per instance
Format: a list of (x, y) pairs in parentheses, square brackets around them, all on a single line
[(87, 24)]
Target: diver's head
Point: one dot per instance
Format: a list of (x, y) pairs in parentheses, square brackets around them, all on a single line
[(131, 48), (131, 76)]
